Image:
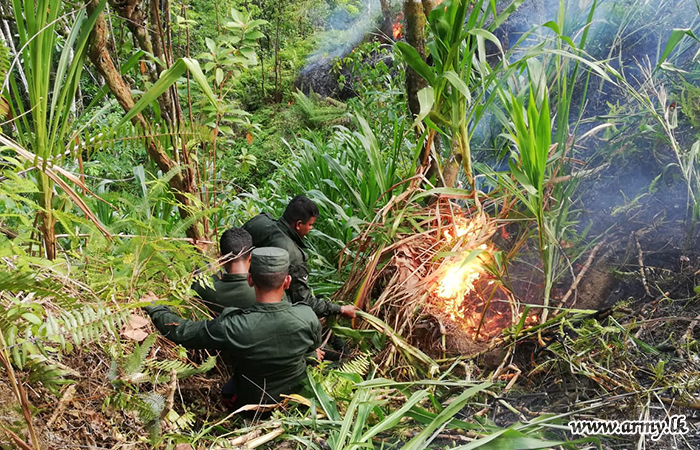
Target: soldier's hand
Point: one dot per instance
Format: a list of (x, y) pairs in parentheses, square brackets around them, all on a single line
[(348, 311), (152, 300), (320, 354)]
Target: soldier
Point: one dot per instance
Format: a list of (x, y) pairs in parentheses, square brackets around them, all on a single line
[(268, 342), (288, 233), (231, 287)]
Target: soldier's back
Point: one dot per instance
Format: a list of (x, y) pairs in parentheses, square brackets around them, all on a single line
[(270, 342)]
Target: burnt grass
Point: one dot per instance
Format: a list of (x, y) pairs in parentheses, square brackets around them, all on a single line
[(641, 285)]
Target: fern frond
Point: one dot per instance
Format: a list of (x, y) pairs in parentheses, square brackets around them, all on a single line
[(182, 369), (134, 363), (51, 374), (149, 406), (359, 365)]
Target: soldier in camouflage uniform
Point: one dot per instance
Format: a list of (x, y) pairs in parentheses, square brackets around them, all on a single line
[(268, 342)]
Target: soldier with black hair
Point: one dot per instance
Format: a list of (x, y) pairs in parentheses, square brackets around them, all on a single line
[(288, 233), (230, 288)]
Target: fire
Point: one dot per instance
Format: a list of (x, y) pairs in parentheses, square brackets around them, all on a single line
[(465, 291), (461, 227), (397, 27), (459, 279)]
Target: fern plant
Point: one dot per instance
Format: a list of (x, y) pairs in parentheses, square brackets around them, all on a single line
[(129, 371), (35, 335)]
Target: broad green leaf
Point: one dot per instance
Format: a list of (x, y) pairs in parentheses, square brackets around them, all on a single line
[(488, 36), (395, 417), (413, 59), (327, 403), (458, 84), (211, 45), (510, 439), (254, 35), (32, 318), (426, 98), (167, 79), (673, 40), (422, 439)]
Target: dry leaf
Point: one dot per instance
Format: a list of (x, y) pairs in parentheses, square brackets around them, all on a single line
[(136, 328), (149, 297), (259, 408), (183, 447)]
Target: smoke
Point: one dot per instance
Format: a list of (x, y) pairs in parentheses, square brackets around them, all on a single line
[(345, 27)]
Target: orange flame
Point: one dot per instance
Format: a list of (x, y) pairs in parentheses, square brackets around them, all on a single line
[(461, 227), (397, 27), (464, 285)]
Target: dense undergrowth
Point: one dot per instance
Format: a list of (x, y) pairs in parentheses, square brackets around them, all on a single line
[(574, 137)]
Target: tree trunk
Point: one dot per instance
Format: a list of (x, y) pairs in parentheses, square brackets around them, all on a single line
[(48, 220), (415, 36), (386, 30), (182, 183), (278, 75), (428, 6), (148, 37), (414, 32)]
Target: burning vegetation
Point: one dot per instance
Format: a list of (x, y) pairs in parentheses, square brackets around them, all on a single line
[(397, 27), (438, 283)]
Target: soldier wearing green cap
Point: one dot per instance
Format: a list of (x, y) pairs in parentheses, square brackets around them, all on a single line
[(268, 342)]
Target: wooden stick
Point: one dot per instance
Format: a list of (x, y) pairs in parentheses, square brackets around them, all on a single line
[(240, 440), (264, 439), (640, 258), (689, 331), (17, 439), (581, 274), (66, 398), (201, 241), (692, 405), (172, 387)]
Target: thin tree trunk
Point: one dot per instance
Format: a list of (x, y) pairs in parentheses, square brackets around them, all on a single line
[(135, 15), (48, 220), (428, 6), (278, 96), (181, 184), (414, 32), (386, 29), (415, 36)]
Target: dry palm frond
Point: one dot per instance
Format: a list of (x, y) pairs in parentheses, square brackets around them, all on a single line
[(400, 261)]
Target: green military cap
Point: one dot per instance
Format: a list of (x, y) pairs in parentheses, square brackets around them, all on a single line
[(269, 260)]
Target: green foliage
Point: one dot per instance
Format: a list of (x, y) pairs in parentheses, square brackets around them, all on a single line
[(348, 175), (44, 112), (458, 53), (36, 336), (315, 113), (690, 99), (129, 371), (229, 56)]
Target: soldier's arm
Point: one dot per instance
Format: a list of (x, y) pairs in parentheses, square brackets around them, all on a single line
[(299, 291), (188, 333)]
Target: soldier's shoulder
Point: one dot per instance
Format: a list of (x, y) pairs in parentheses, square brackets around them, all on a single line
[(260, 219), (232, 311), (303, 309)]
